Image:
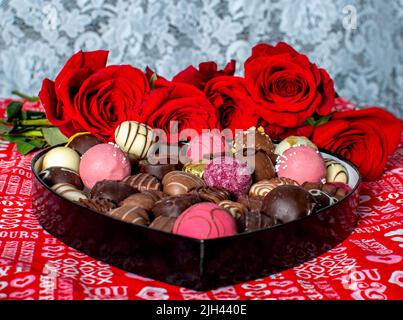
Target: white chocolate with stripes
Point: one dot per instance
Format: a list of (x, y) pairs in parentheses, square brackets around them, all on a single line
[(134, 138), (68, 191)]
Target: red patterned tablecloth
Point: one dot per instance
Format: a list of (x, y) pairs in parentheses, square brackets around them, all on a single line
[(35, 265)]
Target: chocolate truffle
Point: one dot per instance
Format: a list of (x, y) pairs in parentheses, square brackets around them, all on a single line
[(134, 138), (163, 223), (335, 171), (145, 199), (287, 203), (322, 199), (329, 188), (255, 139), (173, 206), (236, 209), (263, 187), (83, 141), (130, 214), (98, 204), (69, 191), (196, 169), (61, 157), (143, 181), (179, 182), (251, 203), (260, 162), (55, 175), (254, 220), (112, 190), (230, 174), (157, 170), (213, 194)]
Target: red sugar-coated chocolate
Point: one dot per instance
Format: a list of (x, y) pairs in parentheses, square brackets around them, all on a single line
[(230, 174), (205, 220)]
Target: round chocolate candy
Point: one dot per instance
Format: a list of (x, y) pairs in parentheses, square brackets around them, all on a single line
[(236, 209), (61, 157), (69, 191), (323, 200), (213, 194), (196, 169), (82, 141), (253, 139), (134, 138), (335, 171), (112, 190), (130, 214), (251, 203), (254, 220), (163, 223), (173, 206), (55, 175), (143, 181), (330, 188), (263, 187), (179, 182), (157, 170), (145, 199), (287, 203), (260, 162), (98, 204)]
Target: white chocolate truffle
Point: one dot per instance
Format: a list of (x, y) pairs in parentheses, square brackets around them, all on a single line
[(134, 138), (293, 141), (68, 191), (62, 157), (335, 171)]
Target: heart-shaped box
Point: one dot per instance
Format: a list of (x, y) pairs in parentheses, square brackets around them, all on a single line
[(192, 263)]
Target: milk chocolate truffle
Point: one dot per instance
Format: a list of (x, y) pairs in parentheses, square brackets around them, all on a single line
[(195, 168), (83, 141), (55, 175), (335, 171), (69, 191), (61, 157), (145, 199), (157, 170), (173, 206), (287, 203), (179, 182), (98, 204), (163, 223), (130, 214), (260, 162), (251, 203), (134, 138), (236, 209), (143, 181), (253, 139), (254, 220), (213, 194), (329, 188), (112, 190), (263, 187)]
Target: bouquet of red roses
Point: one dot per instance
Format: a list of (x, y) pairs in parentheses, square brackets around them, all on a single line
[(282, 90)]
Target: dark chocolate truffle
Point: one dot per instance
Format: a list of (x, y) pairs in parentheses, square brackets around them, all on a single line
[(55, 175), (145, 199), (287, 203), (98, 204), (157, 170), (213, 194), (163, 223), (143, 181), (260, 161), (173, 206), (252, 203), (112, 190), (254, 220), (82, 142), (330, 189)]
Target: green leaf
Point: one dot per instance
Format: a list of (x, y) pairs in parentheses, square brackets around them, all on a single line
[(311, 121), (24, 147), (53, 136), (14, 110), (323, 119), (152, 80)]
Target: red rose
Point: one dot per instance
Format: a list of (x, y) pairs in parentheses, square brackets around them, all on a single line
[(87, 96), (177, 102), (207, 71), (287, 86), (365, 137), (233, 102), (279, 133)]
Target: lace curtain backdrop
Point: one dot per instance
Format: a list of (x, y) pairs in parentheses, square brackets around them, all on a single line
[(365, 60)]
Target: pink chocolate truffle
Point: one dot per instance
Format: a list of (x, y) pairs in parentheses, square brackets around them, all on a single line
[(103, 162), (205, 220), (302, 164), (230, 174), (205, 145)]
